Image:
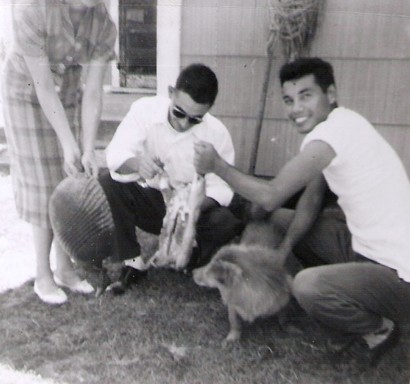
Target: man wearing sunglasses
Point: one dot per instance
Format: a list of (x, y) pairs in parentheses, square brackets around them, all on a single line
[(153, 147)]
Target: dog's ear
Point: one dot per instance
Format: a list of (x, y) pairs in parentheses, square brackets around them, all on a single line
[(226, 272)]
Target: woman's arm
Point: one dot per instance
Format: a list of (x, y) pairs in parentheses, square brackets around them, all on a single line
[(52, 107), (91, 114)]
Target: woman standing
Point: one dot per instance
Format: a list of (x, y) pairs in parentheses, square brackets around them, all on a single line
[(52, 94)]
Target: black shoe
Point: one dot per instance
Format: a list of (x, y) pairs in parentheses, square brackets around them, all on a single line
[(360, 351), (129, 276)]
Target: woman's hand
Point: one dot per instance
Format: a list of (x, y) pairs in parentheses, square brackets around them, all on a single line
[(89, 163), (72, 159)]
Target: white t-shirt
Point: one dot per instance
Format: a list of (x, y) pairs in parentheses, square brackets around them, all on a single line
[(372, 186), (145, 129)]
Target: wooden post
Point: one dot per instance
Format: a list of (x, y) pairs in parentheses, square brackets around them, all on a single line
[(261, 113)]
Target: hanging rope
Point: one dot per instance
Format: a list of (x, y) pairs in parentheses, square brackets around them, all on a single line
[(295, 23)]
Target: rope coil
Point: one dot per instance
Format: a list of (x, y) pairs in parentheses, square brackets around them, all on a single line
[(294, 22)]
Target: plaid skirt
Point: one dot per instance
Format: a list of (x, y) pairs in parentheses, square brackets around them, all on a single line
[(36, 157)]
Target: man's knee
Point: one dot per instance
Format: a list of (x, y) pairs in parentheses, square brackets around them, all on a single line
[(107, 183), (306, 287)]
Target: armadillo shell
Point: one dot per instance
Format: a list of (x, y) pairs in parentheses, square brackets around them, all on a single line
[(81, 219)]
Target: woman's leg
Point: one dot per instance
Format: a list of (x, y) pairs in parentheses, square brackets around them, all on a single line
[(65, 274), (42, 245), (64, 266), (44, 284)]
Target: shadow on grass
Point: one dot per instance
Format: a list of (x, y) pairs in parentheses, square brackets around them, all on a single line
[(168, 330)]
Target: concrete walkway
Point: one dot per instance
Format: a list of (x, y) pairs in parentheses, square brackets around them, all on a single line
[(10, 376), (17, 262)]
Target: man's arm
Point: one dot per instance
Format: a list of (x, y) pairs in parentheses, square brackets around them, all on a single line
[(125, 150), (306, 212), (296, 174), (145, 166), (217, 190)]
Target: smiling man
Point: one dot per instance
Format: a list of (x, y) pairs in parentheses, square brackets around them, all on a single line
[(156, 138), (357, 285)]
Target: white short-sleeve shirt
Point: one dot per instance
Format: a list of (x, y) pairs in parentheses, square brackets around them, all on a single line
[(372, 186)]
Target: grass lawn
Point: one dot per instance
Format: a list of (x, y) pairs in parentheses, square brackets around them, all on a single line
[(168, 330)]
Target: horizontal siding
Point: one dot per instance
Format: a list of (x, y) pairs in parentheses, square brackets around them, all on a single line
[(364, 29), (279, 142), (368, 43), (379, 89), (347, 29), (399, 138), (242, 131), (224, 28), (240, 82)]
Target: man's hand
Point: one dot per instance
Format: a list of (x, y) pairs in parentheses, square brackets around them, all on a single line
[(205, 157), (148, 167)]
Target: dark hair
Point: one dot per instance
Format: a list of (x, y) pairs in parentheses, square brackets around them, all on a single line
[(320, 69), (199, 82)]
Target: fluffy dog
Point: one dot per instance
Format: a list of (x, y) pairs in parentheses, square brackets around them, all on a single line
[(252, 281)]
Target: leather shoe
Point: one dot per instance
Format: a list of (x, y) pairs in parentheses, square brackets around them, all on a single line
[(129, 276), (359, 350)]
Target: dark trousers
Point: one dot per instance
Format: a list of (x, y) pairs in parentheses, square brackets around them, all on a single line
[(341, 289), (134, 206)]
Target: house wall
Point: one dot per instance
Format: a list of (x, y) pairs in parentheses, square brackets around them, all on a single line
[(368, 43)]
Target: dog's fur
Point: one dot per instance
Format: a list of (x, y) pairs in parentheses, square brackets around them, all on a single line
[(252, 281)]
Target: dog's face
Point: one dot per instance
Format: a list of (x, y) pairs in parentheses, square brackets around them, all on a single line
[(220, 273)]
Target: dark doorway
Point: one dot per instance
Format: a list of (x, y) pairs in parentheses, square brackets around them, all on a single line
[(138, 43)]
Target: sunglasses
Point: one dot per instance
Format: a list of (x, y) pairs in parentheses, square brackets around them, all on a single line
[(180, 114)]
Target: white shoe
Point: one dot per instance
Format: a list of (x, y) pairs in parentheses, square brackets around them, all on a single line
[(137, 263), (82, 286), (55, 297)]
